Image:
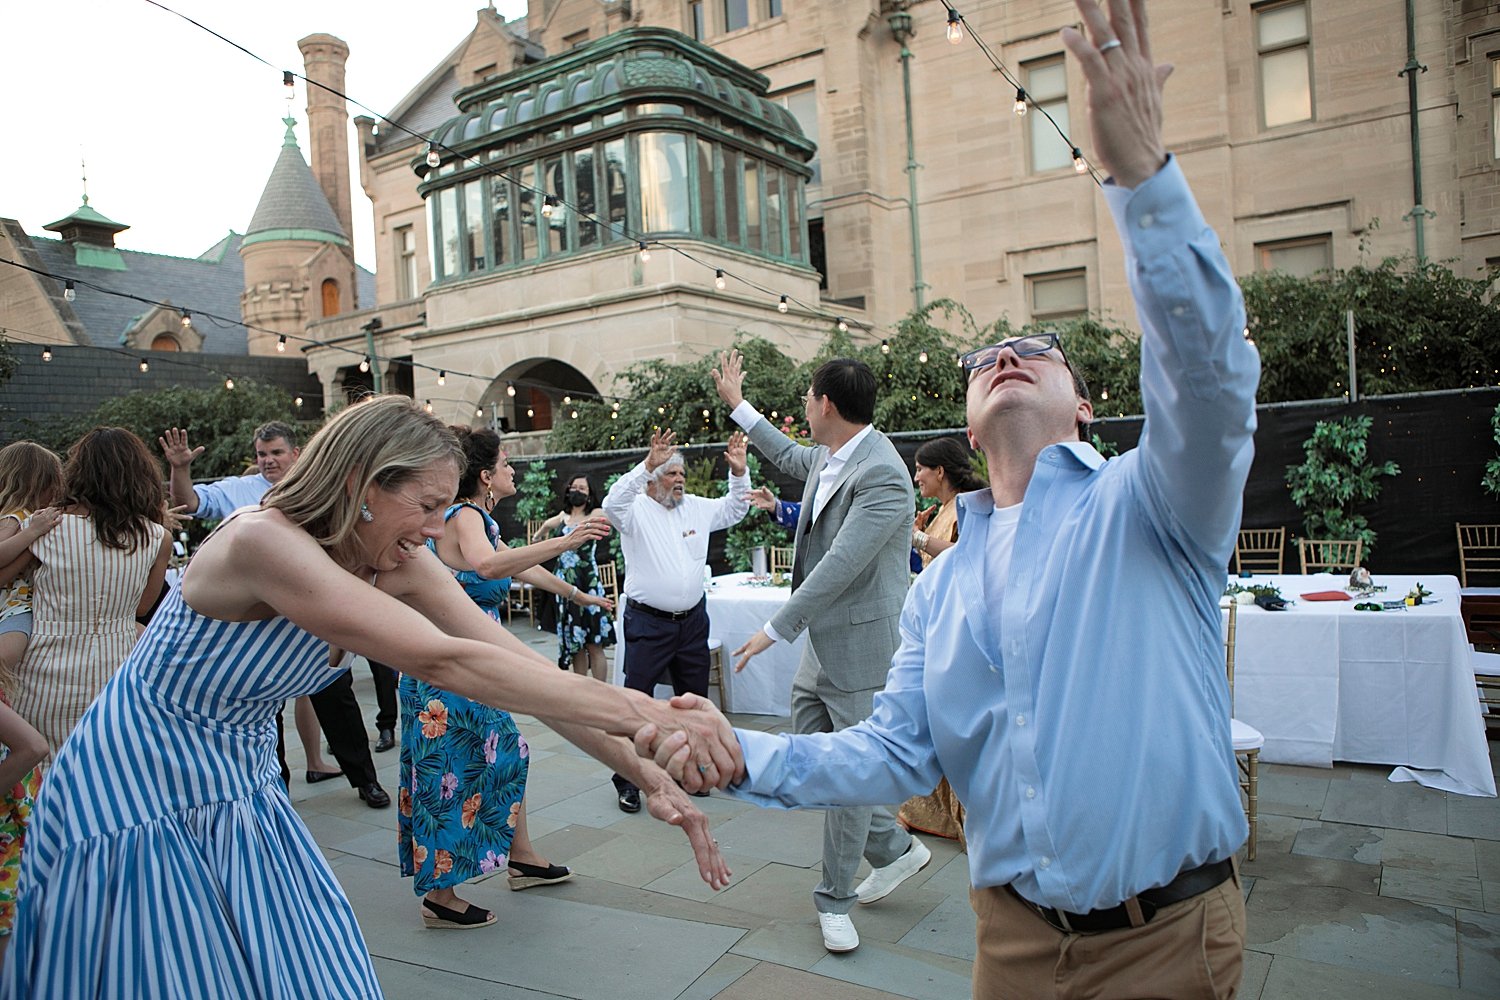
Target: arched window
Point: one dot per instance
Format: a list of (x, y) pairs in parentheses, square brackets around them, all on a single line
[(330, 297), (165, 342)]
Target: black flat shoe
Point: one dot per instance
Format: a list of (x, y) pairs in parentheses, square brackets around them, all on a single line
[(630, 800), (386, 741), (376, 798), (442, 918), (537, 875), (313, 777)]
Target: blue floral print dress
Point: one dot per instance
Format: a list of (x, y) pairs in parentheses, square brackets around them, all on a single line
[(577, 626), (463, 767)]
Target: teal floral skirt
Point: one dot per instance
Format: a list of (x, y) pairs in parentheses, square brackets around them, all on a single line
[(463, 774)]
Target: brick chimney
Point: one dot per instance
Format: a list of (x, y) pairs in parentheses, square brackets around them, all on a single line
[(323, 59)]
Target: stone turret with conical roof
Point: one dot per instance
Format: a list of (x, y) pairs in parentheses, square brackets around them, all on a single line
[(296, 267)]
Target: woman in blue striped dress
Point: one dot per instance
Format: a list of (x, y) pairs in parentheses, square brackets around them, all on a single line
[(164, 857)]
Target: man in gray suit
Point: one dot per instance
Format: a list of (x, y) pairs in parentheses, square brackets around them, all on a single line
[(849, 579)]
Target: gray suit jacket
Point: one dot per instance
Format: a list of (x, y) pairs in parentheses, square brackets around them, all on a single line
[(850, 573)]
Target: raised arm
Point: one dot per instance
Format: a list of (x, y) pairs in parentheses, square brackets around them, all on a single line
[(174, 446), (1198, 373), (780, 450), (731, 508)]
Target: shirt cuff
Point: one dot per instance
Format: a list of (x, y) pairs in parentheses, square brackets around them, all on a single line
[(760, 751), (745, 415), (768, 630), (1157, 216)]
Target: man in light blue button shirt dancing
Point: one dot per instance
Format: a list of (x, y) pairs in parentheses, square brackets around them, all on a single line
[(1062, 664)]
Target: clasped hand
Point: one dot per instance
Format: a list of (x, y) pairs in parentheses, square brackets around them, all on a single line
[(693, 742)]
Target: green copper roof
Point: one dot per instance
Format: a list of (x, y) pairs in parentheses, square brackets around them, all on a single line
[(293, 202), (86, 216), (637, 64)]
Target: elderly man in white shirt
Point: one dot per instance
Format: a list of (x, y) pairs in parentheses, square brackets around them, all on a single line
[(664, 536)]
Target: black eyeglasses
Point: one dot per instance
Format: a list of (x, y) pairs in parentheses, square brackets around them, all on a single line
[(1023, 347)]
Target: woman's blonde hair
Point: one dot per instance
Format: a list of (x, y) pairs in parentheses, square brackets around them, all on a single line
[(384, 441), (31, 477)]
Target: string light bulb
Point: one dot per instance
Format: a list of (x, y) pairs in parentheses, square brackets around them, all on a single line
[(229, 383), (434, 160), (843, 325), (885, 347), (530, 412), (364, 363), (46, 354), (661, 411), (187, 320), (549, 206), (567, 400), (922, 357), (281, 344), (478, 411), (1020, 106), (705, 414), (1103, 394), (719, 278), (427, 405), (955, 27), (782, 306), (289, 84), (297, 402), (510, 389), (574, 414), (614, 414), (145, 366), (1080, 165), (442, 376), (645, 251), (69, 291), (615, 406)]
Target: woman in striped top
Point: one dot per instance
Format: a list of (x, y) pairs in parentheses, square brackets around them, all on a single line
[(101, 566), (165, 858)]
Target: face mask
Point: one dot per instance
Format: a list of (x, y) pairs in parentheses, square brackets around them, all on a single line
[(575, 498)]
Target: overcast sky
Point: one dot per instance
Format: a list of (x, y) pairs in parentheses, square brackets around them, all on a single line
[(179, 129)]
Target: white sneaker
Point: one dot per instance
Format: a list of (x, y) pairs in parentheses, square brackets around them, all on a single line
[(838, 932), (882, 881)]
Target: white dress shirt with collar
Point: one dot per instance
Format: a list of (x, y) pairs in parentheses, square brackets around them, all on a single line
[(666, 548)]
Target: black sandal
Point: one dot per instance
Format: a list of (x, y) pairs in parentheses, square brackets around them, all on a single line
[(532, 875), (474, 916)]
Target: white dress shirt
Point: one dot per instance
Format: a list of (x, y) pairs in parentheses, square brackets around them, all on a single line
[(666, 549)]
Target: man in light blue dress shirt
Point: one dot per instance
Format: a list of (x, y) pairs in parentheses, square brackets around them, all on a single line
[(1062, 665)]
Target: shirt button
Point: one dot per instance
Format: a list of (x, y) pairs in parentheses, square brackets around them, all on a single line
[(1148, 220), (1178, 310), (1030, 792), (1020, 720), (1045, 862)]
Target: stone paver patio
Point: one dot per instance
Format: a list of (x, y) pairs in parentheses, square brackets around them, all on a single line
[(1362, 889)]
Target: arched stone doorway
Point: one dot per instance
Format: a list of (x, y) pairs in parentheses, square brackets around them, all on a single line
[(531, 396)]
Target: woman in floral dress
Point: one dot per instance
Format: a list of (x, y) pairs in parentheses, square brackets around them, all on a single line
[(463, 764), (583, 631)]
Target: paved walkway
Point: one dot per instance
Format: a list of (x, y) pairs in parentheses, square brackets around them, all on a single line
[(1363, 889)]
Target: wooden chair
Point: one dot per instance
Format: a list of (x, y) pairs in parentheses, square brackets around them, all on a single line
[(1318, 556), (1481, 615), (1247, 743), (1478, 552), (716, 672), (1259, 550), (533, 528), (781, 559), (609, 579)]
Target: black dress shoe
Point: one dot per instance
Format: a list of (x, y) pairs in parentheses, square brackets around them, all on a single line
[(313, 777), (374, 796), (630, 800), (386, 741)]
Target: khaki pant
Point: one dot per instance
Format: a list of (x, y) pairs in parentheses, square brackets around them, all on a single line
[(1190, 950)]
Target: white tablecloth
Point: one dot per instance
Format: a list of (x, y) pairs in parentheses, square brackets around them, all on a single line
[(736, 611), (1323, 682)]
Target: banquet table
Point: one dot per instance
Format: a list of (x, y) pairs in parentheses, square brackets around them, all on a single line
[(1323, 682), (736, 611)]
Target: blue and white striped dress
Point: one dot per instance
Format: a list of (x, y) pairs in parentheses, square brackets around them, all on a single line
[(164, 858)]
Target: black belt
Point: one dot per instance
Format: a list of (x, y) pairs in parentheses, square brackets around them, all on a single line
[(671, 616), (1185, 886)]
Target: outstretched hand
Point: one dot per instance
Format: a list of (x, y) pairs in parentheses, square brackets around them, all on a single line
[(1124, 88), (670, 804), (710, 752), (174, 446), (734, 454), (663, 444), (757, 643), (763, 498), (729, 378)]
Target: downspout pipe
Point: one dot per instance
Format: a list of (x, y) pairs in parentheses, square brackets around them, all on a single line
[(1419, 213), (901, 29)]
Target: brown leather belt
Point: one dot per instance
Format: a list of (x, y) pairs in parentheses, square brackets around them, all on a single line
[(1185, 886)]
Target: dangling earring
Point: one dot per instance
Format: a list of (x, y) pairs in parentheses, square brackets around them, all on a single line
[(489, 497), (364, 513)]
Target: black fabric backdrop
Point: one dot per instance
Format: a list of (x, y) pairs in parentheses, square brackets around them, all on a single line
[(1440, 440)]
